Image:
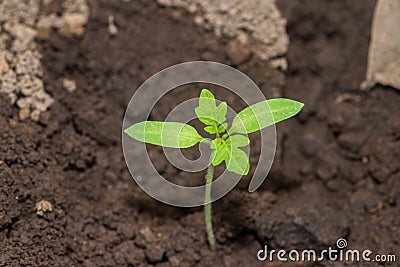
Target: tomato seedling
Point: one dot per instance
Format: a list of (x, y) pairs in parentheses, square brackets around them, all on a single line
[(227, 142)]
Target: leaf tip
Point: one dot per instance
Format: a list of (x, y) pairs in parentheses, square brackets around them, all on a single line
[(206, 93)]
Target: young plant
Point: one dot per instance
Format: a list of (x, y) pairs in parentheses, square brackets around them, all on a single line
[(226, 143)]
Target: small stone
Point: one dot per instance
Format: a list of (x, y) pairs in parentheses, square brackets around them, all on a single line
[(112, 28), (69, 85), (41, 100), (42, 207), (192, 9), (279, 63), (35, 115), (237, 52), (24, 114), (198, 20), (24, 103)]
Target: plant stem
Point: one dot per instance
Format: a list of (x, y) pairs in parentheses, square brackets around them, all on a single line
[(207, 207)]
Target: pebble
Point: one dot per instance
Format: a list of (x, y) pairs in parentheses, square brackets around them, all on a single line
[(24, 114), (112, 28), (42, 207), (24, 103), (35, 115), (192, 9), (69, 85), (198, 20), (41, 100)]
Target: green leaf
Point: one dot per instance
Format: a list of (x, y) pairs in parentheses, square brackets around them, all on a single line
[(235, 159), (222, 127), (210, 129), (239, 140), (238, 162), (216, 143), (264, 114), (167, 134), (208, 112)]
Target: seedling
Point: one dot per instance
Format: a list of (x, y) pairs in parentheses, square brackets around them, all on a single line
[(226, 143)]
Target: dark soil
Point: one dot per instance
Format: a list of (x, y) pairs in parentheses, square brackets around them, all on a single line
[(336, 173)]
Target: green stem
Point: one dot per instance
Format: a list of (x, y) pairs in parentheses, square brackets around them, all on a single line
[(207, 207)]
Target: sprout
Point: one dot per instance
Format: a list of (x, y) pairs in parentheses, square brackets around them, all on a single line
[(227, 144)]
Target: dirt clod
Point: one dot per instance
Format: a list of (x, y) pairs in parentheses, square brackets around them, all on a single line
[(42, 207), (69, 85)]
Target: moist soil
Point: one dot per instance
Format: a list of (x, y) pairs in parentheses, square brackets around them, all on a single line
[(335, 175)]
